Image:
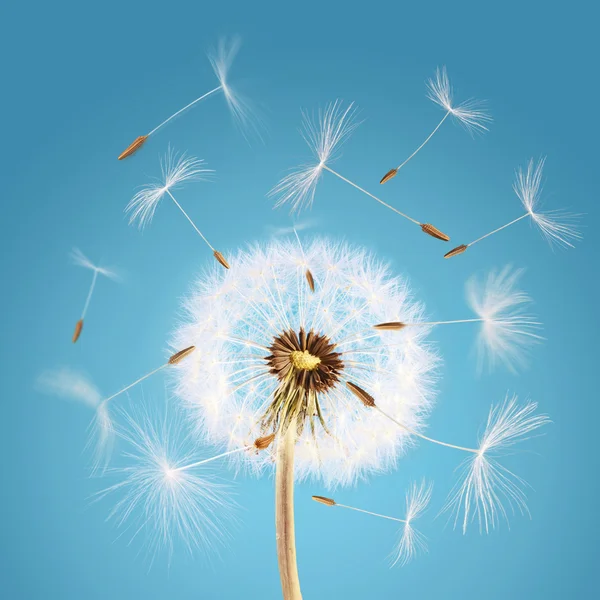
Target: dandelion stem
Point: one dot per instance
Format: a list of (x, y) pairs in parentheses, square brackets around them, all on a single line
[(135, 383), (190, 220), (89, 296), (284, 515), (184, 109), (425, 142), (367, 512), (424, 437), (370, 195), (207, 460), (446, 322), (499, 229)]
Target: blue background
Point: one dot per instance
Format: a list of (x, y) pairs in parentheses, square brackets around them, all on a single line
[(81, 81)]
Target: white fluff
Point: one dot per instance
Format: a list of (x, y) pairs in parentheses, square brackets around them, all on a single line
[(471, 113), (78, 258), (558, 227), (68, 384), (192, 505), (324, 133), (487, 489), (176, 170), (507, 331), (232, 320), (411, 541)]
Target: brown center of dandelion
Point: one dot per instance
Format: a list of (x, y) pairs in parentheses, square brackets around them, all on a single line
[(309, 359)]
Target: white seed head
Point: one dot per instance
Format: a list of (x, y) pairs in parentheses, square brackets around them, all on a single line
[(507, 331), (558, 227), (324, 133), (471, 113), (233, 320), (176, 170)]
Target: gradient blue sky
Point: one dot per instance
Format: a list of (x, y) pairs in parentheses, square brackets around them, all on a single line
[(82, 80)]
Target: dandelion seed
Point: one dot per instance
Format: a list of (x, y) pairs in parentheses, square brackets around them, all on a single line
[(324, 135), (81, 260), (221, 60), (486, 484), (507, 330), (470, 114), (165, 490), (176, 170), (558, 227), (411, 541), (69, 384)]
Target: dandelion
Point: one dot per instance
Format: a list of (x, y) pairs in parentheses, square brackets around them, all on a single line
[(470, 114), (272, 357), (558, 227), (487, 489), (176, 170), (411, 541), (507, 329), (221, 60), (81, 260), (324, 135)]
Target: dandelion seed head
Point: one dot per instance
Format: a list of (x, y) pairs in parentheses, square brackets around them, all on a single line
[(411, 541), (487, 492), (558, 227), (156, 495), (471, 113), (324, 133), (230, 381), (507, 331), (177, 169)]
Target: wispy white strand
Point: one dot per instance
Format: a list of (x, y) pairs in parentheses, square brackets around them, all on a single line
[(176, 170)]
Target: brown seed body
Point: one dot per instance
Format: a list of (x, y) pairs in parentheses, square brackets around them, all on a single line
[(324, 500), (429, 229), (78, 328), (389, 175), (179, 356), (133, 147), (363, 396), (392, 326), (455, 251), (221, 259), (311, 280), (262, 443)]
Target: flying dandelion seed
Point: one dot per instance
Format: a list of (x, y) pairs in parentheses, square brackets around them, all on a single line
[(558, 227), (487, 489), (507, 330), (221, 60), (470, 114), (72, 385), (324, 135), (176, 170), (69, 384), (411, 541), (81, 260), (166, 490)]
